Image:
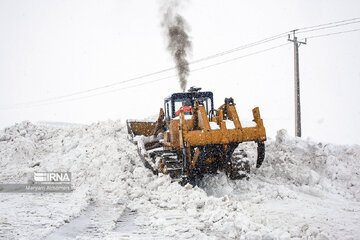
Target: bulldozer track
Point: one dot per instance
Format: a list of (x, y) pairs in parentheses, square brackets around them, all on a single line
[(172, 165)]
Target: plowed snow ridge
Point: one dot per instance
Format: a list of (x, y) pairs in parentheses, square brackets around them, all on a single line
[(304, 190)]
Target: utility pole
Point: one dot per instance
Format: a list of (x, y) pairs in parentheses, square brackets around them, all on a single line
[(297, 83)]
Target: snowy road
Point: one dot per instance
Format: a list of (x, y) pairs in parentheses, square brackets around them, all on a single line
[(304, 190)]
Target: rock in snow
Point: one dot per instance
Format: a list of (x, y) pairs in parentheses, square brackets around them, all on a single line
[(304, 190)]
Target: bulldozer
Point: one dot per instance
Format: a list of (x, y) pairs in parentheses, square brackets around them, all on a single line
[(191, 138)]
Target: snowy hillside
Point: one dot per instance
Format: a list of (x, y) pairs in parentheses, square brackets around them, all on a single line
[(304, 190)]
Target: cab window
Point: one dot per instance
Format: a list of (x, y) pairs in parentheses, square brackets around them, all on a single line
[(183, 103)]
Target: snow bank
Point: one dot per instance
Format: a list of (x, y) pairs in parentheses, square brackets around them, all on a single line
[(304, 190)]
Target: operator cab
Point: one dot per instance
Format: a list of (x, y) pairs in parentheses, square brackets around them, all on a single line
[(174, 103)]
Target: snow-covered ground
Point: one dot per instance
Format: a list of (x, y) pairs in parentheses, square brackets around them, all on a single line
[(304, 190)]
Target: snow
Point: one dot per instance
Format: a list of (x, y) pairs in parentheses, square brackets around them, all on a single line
[(229, 124), (186, 117), (246, 124), (142, 140), (304, 190), (214, 126)]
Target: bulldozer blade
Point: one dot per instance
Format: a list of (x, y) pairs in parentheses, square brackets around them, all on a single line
[(136, 128)]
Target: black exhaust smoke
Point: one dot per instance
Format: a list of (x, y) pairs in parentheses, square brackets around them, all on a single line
[(179, 44)]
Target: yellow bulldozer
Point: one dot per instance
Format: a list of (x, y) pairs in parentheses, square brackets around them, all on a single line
[(191, 138)]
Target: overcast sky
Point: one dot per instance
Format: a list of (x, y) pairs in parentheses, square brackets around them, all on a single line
[(53, 48)]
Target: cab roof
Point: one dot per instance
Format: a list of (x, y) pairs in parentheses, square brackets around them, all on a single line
[(189, 95)]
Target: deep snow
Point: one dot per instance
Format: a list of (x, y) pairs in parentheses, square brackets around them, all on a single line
[(304, 190)]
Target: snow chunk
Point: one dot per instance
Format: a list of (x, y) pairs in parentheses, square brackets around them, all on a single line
[(281, 136)]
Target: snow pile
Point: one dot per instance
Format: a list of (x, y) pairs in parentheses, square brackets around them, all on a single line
[(304, 190), (310, 190), (314, 166)]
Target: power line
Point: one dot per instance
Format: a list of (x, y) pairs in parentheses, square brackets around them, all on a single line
[(99, 94), (95, 89), (334, 33), (265, 40), (156, 80), (243, 47), (155, 73), (330, 23), (272, 38), (239, 57), (332, 26)]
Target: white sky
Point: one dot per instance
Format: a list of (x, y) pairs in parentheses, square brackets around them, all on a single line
[(51, 48)]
